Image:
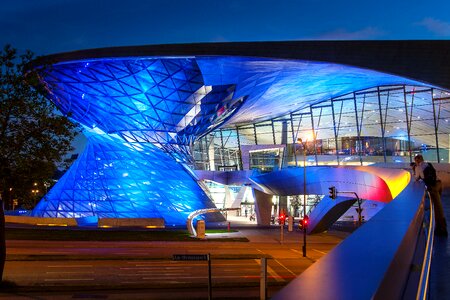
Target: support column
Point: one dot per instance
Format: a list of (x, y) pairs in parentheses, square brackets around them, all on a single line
[(282, 204), (228, 197), (383, 138), (263, 207), (436, 124), (284, 141), (211, 154)]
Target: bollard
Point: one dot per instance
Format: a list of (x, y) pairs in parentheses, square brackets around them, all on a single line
[(290, 223), (281, 233), (229, 226), (263, 279), (201, 229)]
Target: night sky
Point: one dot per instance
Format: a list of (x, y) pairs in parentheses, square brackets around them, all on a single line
[(52, 26)]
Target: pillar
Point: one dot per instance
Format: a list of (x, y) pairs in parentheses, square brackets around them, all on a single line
[(263, 207)]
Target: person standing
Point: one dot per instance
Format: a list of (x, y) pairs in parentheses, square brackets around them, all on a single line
[(426, 172)]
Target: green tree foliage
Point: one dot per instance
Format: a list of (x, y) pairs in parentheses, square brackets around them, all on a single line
[(34, 138)]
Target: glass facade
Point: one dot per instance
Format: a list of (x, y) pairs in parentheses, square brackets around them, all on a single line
[(142, 116), (385, 124), (151, 120), (110, 180)]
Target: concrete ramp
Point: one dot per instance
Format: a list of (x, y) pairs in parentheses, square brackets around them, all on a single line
[(327, 212)]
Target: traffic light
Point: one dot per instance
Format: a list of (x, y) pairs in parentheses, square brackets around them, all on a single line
[(305, 222), (333, 192), (282, 218)]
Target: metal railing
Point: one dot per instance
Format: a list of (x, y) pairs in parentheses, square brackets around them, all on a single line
[(422, 289), (375, 261)]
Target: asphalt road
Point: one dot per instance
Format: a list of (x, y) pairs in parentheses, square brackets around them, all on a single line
[(143, 270)]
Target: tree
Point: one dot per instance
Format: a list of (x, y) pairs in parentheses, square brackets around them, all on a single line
[(34, 138)]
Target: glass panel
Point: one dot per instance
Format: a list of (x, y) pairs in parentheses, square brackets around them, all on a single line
[(247, 135), (442, 109), (369, 120), (423, 139), (264, 133), (394, 119)]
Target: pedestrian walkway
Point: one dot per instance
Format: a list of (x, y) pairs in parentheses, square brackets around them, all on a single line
[(440, 265), (270, 234)]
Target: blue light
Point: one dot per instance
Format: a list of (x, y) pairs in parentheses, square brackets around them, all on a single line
[(143, 114), (155, 186)]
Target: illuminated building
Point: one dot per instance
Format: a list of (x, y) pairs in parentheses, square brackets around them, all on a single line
[(152, 114)]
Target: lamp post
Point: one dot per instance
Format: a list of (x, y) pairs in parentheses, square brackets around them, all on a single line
[(304, 194), (11, 204), (34, 192)]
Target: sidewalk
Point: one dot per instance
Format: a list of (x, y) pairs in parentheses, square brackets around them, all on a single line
[(270, 234), (440, 264)]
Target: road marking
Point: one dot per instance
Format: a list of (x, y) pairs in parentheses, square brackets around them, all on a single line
[(70, 266), (165, 281), (133, 268), (320, 251), (271, 272), (167, 268), (285, 267), (296, 251), (240, 270), (203, 277), (70, 279), (74, 272), (167, 274)]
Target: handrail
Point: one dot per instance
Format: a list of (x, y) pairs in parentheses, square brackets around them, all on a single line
[(426, 264), (196, 213), (372, 263)]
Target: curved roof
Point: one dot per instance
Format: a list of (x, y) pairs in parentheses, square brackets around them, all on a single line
[(169, 93), (425, 61), (172, 94), (276, 87)]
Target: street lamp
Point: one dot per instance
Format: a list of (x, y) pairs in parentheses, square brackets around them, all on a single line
[(46, 185), (10, 199), (34, 192), (304, 193)]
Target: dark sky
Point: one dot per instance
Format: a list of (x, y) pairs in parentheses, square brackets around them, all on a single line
[(51, 26)]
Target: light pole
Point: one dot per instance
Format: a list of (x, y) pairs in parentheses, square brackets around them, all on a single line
[(35, 192), (47, 185), (304, 195), (11, 204)]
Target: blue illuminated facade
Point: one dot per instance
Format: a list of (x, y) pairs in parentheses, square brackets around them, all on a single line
[(112, 180), (142, 116)]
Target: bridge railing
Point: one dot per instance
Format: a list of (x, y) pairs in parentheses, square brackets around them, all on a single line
[(423, 286), (375, 261)]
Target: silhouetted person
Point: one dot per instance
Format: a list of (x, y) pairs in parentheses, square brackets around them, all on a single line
[(426, 172)]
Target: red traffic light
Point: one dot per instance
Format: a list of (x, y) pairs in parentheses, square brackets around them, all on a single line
[(305, 222), (282, 218)]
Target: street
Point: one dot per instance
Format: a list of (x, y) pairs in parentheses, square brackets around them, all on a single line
[(71, 267)]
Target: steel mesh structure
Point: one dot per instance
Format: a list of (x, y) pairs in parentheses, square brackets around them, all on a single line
[(144, 114)]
